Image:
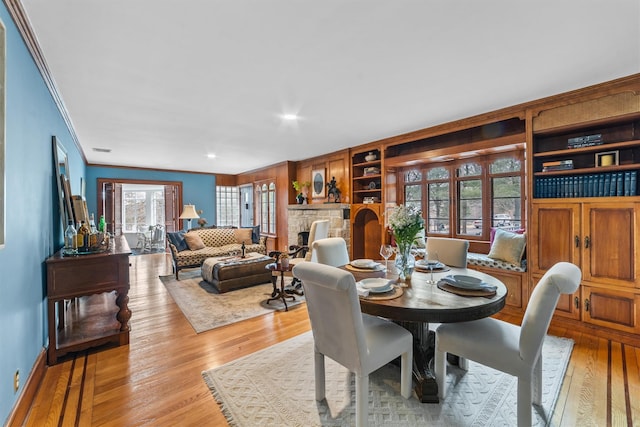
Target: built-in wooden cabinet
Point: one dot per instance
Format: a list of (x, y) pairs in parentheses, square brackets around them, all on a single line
[(602, 238), (585, 161), (366, 176)]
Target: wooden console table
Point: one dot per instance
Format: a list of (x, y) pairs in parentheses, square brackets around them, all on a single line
[(104, 275)]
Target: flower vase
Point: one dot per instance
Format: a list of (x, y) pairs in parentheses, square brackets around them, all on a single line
[(404, 262)]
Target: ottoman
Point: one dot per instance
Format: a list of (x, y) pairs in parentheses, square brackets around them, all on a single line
[(232, 272)]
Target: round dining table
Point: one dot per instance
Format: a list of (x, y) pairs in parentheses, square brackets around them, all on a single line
[(422, 303)]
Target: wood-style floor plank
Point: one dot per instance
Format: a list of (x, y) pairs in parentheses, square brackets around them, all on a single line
[(156, 379)]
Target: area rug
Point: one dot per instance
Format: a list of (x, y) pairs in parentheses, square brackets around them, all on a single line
[(275, 387), (206, 308)]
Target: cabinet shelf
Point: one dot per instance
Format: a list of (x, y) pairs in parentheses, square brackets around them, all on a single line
[(367, 177), (591, 149), (582, 171)]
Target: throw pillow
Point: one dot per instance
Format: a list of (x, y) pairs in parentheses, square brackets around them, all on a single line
[(255, 233), (194, 241), (508, 246), (243, 235), (177, 240)]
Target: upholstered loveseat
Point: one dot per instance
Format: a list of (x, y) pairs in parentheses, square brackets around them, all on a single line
[(190, 249)]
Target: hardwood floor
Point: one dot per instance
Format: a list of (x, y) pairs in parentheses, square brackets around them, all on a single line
[(157, 381)]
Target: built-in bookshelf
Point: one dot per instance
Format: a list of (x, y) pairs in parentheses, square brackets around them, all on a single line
[(367, 177), (601, 160)]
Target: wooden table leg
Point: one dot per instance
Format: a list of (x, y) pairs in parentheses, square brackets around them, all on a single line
[(280, 293), (424, 377)]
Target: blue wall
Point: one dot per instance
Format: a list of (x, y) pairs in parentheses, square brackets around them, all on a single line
[(33, 227), (197, 189)]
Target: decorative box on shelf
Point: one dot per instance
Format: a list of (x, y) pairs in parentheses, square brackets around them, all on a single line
[(370, 199)]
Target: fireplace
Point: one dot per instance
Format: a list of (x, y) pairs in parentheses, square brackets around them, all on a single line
[(300, 218)]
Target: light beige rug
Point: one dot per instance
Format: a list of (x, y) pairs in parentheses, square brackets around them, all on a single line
[(206, 308), (275, 387)]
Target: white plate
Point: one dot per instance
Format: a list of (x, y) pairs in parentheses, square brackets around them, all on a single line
[(375, 284), (364, 263), (466, 282), (425, 264)]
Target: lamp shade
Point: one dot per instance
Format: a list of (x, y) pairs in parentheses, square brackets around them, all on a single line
[(189, 212)]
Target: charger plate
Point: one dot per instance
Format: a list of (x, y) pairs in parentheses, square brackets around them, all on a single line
[(395, 293)]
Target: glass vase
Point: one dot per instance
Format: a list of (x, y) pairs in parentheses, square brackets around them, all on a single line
[(404, 262)]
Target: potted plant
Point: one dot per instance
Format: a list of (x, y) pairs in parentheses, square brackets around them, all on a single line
[(301, 188)]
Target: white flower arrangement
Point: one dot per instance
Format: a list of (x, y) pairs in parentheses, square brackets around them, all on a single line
[(405, 222)]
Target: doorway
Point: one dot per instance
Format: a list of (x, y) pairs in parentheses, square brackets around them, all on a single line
[(111, 203)]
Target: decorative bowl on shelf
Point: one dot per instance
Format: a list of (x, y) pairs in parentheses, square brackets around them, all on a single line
[(370, 157)]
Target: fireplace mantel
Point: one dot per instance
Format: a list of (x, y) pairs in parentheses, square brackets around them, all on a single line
[(320, 206)]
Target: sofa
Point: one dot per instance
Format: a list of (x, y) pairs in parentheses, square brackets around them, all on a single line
[(190, 249)]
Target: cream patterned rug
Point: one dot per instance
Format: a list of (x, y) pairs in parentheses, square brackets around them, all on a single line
[(206, 308), (275, 387)]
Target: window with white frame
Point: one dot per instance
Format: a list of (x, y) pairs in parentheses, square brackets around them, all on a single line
[(142, 207)]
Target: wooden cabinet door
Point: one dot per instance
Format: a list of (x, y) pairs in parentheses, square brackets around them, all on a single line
[(610, 241), (611, 308), (555, 228)]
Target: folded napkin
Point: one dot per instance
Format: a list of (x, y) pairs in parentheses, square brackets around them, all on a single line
[(362, 292), (482, 286)]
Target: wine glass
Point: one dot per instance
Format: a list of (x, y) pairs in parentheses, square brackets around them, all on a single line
[(386, 251), (432, 262)]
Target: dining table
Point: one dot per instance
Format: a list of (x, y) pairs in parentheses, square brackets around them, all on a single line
[(416, 303)]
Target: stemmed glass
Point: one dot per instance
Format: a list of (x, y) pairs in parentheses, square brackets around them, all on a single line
[(386, 251), (432, 262)]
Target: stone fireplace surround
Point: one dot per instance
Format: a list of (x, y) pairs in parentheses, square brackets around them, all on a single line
[(300, 218)]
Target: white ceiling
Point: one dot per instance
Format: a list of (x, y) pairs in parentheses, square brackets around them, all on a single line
[(164, 83)]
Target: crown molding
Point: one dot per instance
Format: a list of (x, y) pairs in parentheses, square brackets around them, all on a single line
[(15, 9)]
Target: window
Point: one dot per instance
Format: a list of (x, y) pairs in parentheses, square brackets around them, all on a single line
[(466, 198), (438, 196), (469, 188), (142, 207), (266, 204), (227, 206), (506, 189)]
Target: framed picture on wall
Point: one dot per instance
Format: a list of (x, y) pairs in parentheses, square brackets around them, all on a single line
[(317, 183)]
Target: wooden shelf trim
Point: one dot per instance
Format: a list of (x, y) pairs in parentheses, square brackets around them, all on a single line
[(581, 171)]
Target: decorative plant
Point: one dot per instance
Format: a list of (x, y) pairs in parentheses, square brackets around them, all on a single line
[(405, 222), (299, 185), (201, 221)]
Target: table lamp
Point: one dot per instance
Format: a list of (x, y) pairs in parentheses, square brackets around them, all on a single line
[(189, 213)]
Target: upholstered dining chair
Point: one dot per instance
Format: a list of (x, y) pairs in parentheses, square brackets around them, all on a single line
[(331, 251), (360, 342), (451, 252), (513, 349)]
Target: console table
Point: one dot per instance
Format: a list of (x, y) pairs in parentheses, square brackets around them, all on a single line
[(103, 275)]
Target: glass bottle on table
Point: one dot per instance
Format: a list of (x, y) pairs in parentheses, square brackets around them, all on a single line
[(70, 240)]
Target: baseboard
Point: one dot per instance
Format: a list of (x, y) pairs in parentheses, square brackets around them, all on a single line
[(18, 415)]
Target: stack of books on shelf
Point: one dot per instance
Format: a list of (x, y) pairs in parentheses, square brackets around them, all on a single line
[(557, 165), (610, 184), (585, 141)]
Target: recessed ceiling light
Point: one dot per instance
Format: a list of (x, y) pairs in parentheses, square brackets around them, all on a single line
[(290, 116), (102, 150), (211, 156)]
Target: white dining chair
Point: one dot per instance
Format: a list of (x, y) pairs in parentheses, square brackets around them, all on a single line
[(331, 251), (513, 349), (360, 342), (451, 252)]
